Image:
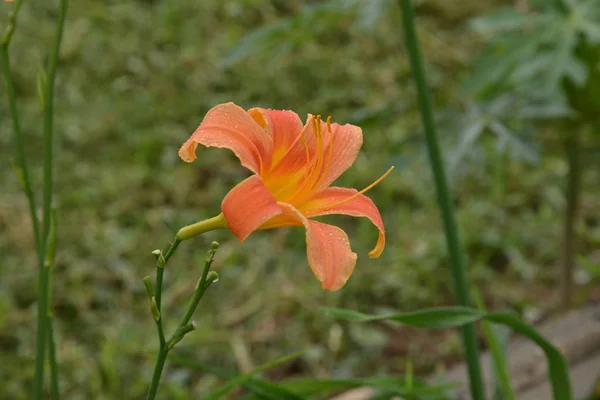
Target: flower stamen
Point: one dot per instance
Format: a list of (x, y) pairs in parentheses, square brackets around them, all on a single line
[(323, 172), (371, 186)]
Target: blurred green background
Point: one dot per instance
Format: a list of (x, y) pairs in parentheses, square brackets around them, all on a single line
[(135, 79)]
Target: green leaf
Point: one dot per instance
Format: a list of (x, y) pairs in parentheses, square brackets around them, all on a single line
[(263, 389), (242, 379), (503, 389), (458, 316), (442, 317), (504, 19), (519, 147), (467, 139), (395, 385)]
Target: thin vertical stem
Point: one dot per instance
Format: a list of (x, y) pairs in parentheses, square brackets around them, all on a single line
[(49, 118), (573, 194), (184, 327), (163, 350), (455, 251), (49, 265), (44, 274), (54, 387), (160, 269), (23, 170), (158, 368)]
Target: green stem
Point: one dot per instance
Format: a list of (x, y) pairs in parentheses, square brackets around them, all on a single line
[(23, 170), (457, 258), (48, 109), (41, 332), (158, 368), (198, 228), (184, 327), (573, 195), (54, 387), (161, 261), (201, 286), (49, 265), (160, 269)]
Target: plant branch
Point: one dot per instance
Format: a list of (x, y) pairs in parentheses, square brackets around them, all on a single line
[(21, 165), (208, 277), (572, 208), (461, 286), (44, 274)]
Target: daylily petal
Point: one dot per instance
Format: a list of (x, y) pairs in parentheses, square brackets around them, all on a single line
[(284, 126), (229, 126), (347, 140), (328, 249), (332, 201), (295, 146), (247, 206), (294, 178)]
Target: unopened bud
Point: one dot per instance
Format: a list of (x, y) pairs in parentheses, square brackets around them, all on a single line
[(154, 309), (211, 278), (149, 288), (180, 333)]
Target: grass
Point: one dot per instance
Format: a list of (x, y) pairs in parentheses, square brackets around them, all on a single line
[(135, 79)]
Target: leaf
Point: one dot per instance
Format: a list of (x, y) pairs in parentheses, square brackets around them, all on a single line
[(395, 385), (504, 19), (285, 34), (432, 318), (371, 12), (467, 138), (544, 111), (263, 389), (458, 316), (521, 149), (242, 379), (503, 389)]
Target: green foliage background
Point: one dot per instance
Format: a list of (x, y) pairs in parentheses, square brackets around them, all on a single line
[(135, 79)]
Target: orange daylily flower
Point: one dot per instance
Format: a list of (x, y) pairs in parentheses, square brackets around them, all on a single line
[(294, 166)]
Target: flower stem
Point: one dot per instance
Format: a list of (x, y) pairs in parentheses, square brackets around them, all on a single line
[(49, 265), (44, 273), (198, 228), (160, 269), (155, 294), (23, 170), (158, 368), (455, 251), (201, 286), (54, 387), (570, 236)]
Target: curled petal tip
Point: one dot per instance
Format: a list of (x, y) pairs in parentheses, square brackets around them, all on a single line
[(376, 252), (187, 152)]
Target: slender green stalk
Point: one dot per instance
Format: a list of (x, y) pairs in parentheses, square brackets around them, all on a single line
[(49, 118), (158, 368), (54, 387), (23, 170), (455, 251), (501, 374), (161, 261), (44, 273), (160, 269), (201, 286), (208, 277), (49, 265), (573, 195)]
